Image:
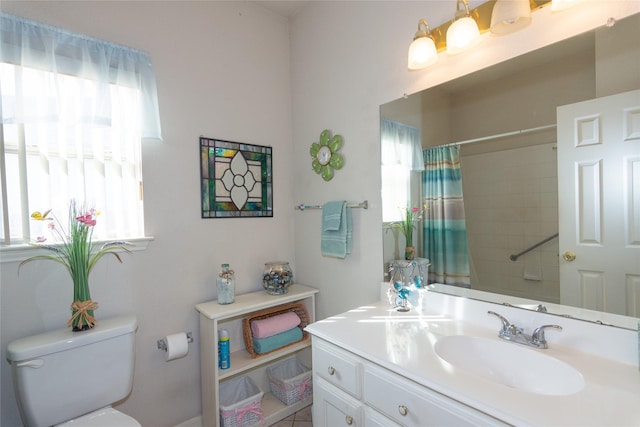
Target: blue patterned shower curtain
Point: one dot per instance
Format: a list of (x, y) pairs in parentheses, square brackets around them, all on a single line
[(445, 230)]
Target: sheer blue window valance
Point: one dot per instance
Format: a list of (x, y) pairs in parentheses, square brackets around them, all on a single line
[(401, 145), (60, 52)]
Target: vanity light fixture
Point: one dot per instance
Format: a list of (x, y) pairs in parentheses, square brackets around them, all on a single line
[(422, 51), (463, 32), (480, 19), (509, 16)]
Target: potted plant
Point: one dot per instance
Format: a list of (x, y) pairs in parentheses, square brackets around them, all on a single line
[(76, 251), (410, 216)]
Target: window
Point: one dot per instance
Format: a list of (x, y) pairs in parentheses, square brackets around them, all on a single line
[(396, 188), (402, 162), (72, 123)]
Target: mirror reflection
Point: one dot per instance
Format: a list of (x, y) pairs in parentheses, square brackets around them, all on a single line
[(489, 153)]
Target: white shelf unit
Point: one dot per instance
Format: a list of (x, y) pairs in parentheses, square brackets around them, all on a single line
[(213, 317)]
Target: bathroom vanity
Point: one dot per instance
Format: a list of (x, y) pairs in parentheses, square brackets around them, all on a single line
[(442, 363), (351, 390)]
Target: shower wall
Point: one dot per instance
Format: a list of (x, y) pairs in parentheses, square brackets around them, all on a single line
[(511, 203)]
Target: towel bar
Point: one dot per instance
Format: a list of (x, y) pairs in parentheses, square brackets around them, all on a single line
[(363, 205)]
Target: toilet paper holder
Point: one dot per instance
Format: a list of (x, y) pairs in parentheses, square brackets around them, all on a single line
[(162, 344)]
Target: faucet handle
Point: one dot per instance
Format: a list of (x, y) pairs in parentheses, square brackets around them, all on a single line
[(538, 338), (541, 308), (505, 323)]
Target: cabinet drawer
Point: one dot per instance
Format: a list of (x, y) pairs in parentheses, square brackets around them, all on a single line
[(376, 419), (409, 404), (334, 408), (338, 367)]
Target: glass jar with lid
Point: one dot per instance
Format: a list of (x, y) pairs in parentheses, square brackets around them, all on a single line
[(277, 277)]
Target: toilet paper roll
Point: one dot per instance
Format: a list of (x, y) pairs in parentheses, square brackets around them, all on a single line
[(177, 346)]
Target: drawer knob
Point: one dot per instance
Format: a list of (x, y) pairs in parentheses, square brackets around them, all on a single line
[(403, 410), (331, 370), (348, 419)]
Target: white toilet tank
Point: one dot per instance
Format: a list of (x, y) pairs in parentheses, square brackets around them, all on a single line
[(60, 375)]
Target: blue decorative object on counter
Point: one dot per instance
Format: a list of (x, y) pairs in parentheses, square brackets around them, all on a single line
[(226, 283), (277, 277), (399, 296), (411, 272), (403, 271), (421, 272)]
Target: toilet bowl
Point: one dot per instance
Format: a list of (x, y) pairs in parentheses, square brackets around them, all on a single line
[(72, 378)]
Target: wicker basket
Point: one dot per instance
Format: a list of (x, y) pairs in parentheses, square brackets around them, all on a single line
[(290, 381), (299, 309), (240, 403)]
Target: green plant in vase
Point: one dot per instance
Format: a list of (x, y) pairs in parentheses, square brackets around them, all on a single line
[(406, 226), (76, 251)]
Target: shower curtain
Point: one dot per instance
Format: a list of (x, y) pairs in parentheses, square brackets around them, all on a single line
[(445, 231)]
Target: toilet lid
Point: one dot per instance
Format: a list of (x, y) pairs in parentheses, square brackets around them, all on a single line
[(105, 417)]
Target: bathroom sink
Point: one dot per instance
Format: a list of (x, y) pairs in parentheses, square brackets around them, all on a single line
[(510, 364)]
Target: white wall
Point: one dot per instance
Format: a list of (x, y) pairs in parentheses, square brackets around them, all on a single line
[(223, 71)]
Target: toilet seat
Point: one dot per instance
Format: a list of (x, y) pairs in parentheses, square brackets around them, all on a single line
[(105, 417)]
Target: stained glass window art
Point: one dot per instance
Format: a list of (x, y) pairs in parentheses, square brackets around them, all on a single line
[(236, 179)]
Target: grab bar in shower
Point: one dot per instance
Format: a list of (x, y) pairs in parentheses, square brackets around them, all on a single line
[(529, 249)]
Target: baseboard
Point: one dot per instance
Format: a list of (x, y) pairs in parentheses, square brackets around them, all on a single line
[(193, 422)]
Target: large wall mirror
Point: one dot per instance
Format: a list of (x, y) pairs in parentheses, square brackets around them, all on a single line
[(517, 180)]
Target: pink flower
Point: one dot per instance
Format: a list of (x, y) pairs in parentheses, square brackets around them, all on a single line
[(41, 239), (87, 219)]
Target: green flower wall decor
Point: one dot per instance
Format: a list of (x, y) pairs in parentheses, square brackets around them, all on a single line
[(325, 156)]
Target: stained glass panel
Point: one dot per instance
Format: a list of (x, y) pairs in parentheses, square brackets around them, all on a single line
[(236, 179)]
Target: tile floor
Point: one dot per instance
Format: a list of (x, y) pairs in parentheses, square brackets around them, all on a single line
[(301, 418)]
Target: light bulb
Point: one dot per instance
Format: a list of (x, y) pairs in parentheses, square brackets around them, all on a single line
[(462, 35), (422, 53), (509, 16)]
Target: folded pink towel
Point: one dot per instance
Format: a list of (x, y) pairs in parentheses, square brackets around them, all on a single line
[(269, 326)]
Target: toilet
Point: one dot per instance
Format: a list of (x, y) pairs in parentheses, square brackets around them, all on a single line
[(71, 379)]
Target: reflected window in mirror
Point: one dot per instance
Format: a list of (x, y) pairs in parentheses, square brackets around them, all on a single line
[(401, 156)]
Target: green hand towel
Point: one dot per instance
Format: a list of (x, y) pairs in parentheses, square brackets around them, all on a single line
[(265, 345), (336, 235)]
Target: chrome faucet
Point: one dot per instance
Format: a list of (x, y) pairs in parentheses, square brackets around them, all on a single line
[(511, 332), (541, 308)]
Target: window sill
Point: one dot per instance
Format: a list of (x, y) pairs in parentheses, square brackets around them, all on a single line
[(18, 253)]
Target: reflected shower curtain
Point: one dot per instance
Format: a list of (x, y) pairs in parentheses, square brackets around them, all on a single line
[(445, 231)]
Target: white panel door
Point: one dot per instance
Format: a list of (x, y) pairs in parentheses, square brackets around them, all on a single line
[(599, 203)]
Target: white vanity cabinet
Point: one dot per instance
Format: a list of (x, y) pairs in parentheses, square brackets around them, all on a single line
[(350, 390), (213, 317)]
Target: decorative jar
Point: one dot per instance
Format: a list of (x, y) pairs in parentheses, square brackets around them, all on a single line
[(277, 277), (226, 284)]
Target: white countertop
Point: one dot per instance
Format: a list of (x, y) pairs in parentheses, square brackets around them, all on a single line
[(404, 344)]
